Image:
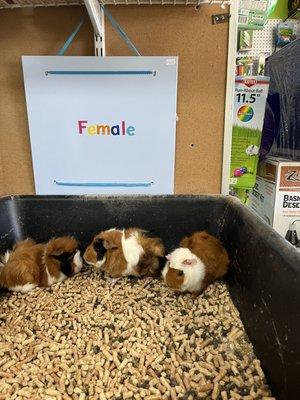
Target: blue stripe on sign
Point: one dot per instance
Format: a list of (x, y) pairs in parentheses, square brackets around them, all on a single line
[(102, 184), (99, 72)]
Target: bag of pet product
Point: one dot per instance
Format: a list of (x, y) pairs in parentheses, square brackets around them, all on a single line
[(249, 110), (276, 196), (253, 13)]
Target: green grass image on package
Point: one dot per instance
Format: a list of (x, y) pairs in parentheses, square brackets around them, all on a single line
[(242, 140)]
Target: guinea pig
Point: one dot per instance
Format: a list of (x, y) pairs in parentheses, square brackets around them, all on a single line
[(30, 265), (127, 252), (198, 261), (252, 150)]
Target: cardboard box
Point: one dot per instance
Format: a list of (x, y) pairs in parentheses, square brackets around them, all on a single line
[(276, 195)]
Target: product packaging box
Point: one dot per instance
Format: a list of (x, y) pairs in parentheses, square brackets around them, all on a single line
[(252, 14), (276, 196), (249, 110)]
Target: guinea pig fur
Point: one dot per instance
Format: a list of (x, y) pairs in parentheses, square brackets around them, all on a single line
[(127, 252), (30, 265), (198, 261)]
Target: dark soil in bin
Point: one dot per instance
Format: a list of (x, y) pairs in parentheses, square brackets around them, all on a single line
[(89, 338)]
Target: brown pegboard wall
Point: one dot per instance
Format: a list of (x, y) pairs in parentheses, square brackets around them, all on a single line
[(155, 30)]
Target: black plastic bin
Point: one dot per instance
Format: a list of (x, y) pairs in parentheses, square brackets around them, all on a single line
[(265, 273)]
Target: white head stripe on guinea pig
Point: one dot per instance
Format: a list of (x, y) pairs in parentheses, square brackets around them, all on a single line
[(6, 256), (194, 269), (132, 251), (77, 261)]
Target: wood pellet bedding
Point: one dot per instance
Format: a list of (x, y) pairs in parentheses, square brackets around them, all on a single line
[(91, 338)]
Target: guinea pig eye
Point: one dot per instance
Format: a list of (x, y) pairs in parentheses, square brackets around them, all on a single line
[(180, 273)]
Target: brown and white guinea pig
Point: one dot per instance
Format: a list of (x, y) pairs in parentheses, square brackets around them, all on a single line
[(198, 261), (30, 265), (127, 252)]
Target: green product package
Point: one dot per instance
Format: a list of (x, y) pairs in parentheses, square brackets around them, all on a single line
[(272, 6), (253, 14), (286, 33), (241, 194), (249, 109), (245, 40)]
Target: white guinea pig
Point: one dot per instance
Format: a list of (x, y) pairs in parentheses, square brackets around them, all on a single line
[(252, 150), (198, 261)]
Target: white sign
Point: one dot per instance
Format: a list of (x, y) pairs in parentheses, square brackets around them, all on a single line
[(102, 125)]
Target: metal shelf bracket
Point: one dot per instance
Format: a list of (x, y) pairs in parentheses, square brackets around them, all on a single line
[(96, 15)]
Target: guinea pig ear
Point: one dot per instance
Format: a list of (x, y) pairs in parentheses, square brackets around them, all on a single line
[(190, 261), (109, 245), (59, 253), (168, 257), (186, 242)]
